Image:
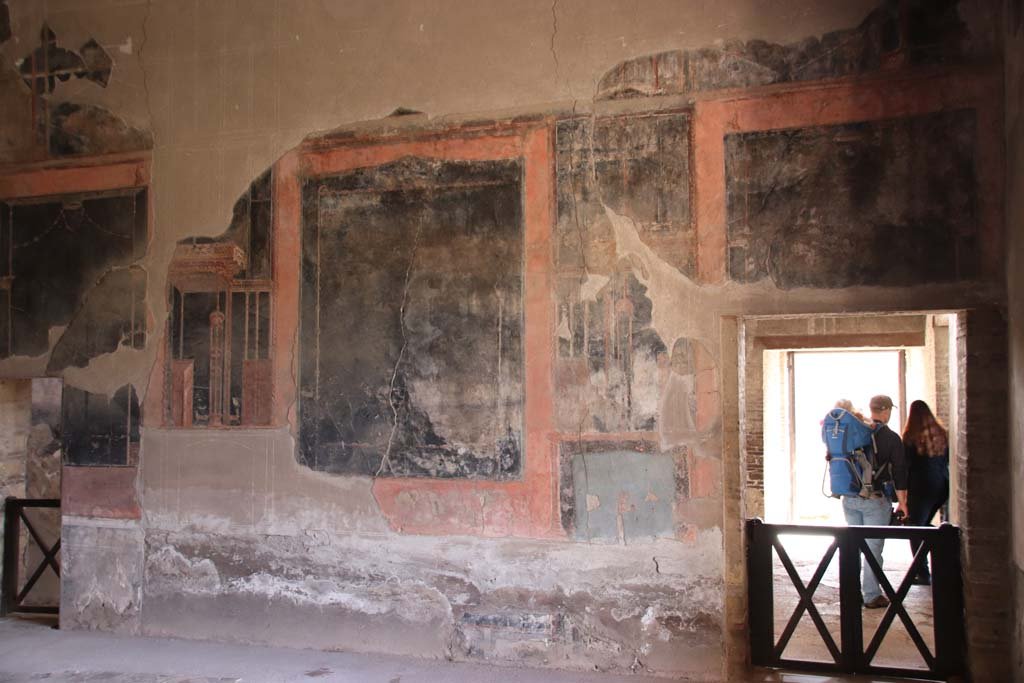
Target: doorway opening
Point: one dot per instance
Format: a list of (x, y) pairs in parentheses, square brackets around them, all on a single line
[(797, 368), (30, 487), (794, 370)]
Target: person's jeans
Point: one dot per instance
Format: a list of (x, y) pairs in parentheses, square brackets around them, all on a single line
[(868, 512), (927, 493)]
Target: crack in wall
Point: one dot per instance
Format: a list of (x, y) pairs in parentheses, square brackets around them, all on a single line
[(385, 461), (554, 33)]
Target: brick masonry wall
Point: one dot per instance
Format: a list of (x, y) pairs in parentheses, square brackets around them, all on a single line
[(982, 461), (941, 338)]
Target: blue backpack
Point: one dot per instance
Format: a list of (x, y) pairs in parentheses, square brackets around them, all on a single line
[(851, 455)]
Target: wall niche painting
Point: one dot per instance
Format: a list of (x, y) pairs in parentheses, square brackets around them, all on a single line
[(68, 262), (219, 338), (411, 349)]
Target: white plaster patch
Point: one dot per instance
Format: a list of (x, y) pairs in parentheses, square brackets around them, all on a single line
[(107, 373), (592, 286), (544, 566), (188, 575), (679, 306), (116, 592), (593, 502), (410, 603)]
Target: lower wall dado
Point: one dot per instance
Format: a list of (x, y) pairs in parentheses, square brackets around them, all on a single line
[(652, 606)]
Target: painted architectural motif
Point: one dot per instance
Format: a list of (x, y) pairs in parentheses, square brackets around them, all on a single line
[(221, 301)]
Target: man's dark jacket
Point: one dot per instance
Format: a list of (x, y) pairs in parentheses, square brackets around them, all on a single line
[(890, 450)]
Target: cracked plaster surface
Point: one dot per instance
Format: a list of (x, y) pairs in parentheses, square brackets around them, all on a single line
[(168, 61), (234, 153), (641, 598), (163, 59)]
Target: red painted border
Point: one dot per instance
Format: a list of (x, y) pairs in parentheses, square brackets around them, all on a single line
[(106, 492), (41, 182), (833, 104), (526, 507)]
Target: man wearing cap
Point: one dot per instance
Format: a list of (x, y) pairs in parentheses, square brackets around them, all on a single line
[(876, 509)]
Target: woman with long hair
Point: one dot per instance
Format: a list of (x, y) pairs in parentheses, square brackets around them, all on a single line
[(926, 444)]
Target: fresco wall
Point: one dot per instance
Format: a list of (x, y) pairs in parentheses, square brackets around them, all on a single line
[(458, 387), (411, 356)]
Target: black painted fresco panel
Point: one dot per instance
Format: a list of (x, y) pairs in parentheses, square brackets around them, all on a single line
[(66, 261), (638, 166), (411, 321), (100, 430), (112, 314), (890, 203)]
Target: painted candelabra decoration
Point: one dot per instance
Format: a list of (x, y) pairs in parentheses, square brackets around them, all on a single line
[(411, 339), (220, 296)]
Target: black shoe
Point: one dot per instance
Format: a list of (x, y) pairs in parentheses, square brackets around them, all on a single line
[(877, 603), (922, 580)]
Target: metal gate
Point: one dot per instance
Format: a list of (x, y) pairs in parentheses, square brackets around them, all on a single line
[(11, 597), (850, 655)]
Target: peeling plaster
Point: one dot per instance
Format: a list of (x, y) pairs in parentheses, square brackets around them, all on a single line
[(399, 599), (680, 307), (32, 366), (177, 572), (583, 604), (107, 373)]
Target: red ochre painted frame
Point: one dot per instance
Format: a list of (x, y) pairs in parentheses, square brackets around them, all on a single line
[(525, 507), (105, 492), (889, 96)]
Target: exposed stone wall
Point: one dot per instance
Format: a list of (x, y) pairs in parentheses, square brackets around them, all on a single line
[(982, 459), (940, 337), (15, 413), (15, 403), (30, 460), (1013, 51), (42, 480)]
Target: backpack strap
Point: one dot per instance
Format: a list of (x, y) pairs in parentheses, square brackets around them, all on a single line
[(875, 473), (867, 467)]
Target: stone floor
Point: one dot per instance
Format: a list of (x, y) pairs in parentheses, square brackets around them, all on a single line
[(32, 652)]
